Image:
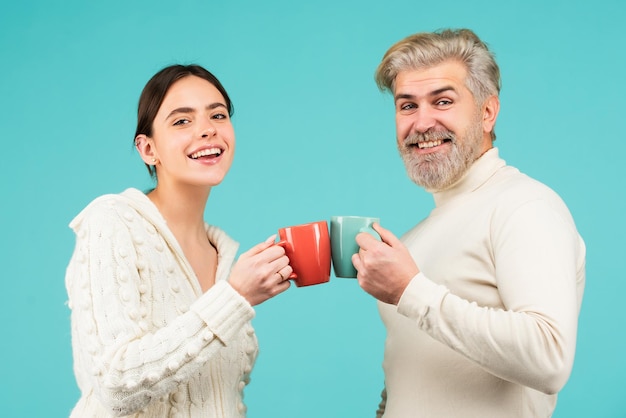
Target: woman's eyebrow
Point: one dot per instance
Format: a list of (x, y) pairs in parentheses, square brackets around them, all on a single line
[(180, 110), (192, 110)]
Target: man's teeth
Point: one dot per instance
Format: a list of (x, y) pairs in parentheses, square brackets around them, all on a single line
[(429, 144), (205, 152)]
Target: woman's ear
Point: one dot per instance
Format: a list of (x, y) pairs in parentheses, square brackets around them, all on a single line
[(491, 108), (145, 147)]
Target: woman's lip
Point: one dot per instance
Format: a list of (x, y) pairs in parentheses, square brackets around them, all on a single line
[(206, 151), (208, 160)]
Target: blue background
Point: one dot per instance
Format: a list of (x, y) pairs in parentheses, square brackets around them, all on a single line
[(315, 139)]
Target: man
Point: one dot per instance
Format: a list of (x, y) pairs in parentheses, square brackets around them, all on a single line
[(481, 299)]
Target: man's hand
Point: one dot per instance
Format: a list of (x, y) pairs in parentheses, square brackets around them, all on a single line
[(384, 269)]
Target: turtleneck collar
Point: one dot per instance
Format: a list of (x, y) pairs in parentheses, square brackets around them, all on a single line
[(478, 173)]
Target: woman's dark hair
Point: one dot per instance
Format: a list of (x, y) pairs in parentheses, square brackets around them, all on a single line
[(155, 90)]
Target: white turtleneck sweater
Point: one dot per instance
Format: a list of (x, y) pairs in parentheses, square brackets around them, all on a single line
[(488, 326), (146, 341)]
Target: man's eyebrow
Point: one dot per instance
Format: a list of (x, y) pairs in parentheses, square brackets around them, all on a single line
[(430, 94), (442, 90), (192, 110), (404, 96)]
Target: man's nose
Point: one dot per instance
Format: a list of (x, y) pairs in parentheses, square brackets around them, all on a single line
[(423, 120)]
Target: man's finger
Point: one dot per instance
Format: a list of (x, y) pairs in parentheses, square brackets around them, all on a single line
[(387, 236), (356, 261), (365, 240)]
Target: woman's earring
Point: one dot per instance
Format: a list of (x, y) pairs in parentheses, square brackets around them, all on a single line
[(154, 161)]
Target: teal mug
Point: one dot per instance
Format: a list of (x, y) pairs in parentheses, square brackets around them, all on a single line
[(343, 232)]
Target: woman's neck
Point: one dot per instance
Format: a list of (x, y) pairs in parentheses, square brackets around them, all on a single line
[(182, 209)]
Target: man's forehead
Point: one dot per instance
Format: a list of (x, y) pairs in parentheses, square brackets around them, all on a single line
[(445, 70), (445, 76)]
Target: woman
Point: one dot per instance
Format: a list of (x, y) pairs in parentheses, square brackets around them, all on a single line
[(160, 315)]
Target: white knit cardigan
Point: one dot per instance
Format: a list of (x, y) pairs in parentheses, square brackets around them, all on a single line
[(146, 340)]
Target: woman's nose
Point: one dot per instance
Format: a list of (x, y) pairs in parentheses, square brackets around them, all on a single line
[(208, 131)]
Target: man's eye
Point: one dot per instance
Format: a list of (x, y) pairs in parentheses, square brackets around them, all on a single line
[(408, 106), (181, 122), (444, 102)]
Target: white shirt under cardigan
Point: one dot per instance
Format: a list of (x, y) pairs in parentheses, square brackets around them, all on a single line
[(146, 341), (488, 327)]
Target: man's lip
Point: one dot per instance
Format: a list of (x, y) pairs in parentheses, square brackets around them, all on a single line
[(433, 146)]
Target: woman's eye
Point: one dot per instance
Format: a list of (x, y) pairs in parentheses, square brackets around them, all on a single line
[(181, 122), (219, 116)]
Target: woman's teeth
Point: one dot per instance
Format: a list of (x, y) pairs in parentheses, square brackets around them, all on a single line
[(206, 152)]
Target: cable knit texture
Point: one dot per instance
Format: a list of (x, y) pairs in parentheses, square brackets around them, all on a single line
[(487, 329), (146, 341)]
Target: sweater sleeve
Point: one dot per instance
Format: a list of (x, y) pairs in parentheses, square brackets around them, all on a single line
[(128, 361), (531, 341)]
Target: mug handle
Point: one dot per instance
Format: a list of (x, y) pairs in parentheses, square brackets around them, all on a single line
[(284, 243), (369, 230)]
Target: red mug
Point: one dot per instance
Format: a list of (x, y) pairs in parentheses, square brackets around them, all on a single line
[(308, 248)]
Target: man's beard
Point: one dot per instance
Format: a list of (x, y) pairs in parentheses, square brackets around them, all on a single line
[(437, 171)]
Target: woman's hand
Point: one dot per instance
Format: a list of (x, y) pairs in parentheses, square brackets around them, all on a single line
[(261, 272)]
